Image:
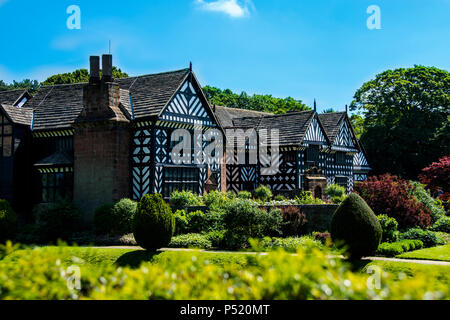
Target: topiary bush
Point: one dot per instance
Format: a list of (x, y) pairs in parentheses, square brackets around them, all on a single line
[(396, 248), (123, 214), (59, 221), (103, 220), (355, 225), (389, 227), (263, 193), (154, 223), (8, 222), (429, 238)]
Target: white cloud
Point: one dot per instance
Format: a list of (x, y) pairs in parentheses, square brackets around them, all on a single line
[(233, 8)]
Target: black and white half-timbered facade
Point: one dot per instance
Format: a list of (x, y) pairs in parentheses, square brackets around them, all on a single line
[(108, 139)]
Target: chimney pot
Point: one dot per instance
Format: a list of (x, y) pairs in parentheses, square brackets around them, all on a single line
[(95, 69), (107, 68)]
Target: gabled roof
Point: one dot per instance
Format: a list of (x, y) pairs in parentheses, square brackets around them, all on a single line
[(18, 115), (151, 93), (332, 123), (12, 97), (226, 115), (58, 106), (292, 126)]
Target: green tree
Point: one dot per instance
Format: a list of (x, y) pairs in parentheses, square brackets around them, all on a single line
[(264, 103), (358, 125), (406, 119), (80, 75), (30, 85)]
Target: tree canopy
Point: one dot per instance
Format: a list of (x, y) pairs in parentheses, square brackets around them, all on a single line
[(78, 76), (406, 119), (30, 85), (264, 103)]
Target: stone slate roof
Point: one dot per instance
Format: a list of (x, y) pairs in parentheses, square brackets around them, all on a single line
[(292, 126), (151, 93), (57, 107), (56, 159), (18, 115), (225, 115), (12, 97), (332, 123)]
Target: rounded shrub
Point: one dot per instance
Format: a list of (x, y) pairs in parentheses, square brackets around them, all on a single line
[(183, 199), (355, 225), (390, 228), (8, 222), (123, 214), (263, 193), (245, 195), (154, 223), (335, 191), (429, 238)]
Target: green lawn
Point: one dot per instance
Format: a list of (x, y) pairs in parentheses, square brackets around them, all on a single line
[(441, 253)]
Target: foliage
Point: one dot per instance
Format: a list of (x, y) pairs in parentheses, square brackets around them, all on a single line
[(78, 76), (290, 244), (423, 196), (59, 220), (393, 196), (429, 238), (215, 199), (442, 224), (183, 199), (263, 193), (123, 212), (397, 248), (279, 198), (390, 228), (154, 222), (406, 119), (103, 220), (305, 198), (357, 125), (243, 220), (191, 241), (216, 237), (265, 103), (355, 224), (311, 274), (294, 221), (335, 190), (245, 195), (8, 222), (437, 178), (324, 238), (181, 222), (31, 85)]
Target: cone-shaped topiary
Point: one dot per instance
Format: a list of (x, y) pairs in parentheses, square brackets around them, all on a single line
[(355, 225), (8, 222), (154, 223)]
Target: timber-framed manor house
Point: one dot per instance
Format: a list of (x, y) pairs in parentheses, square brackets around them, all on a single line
[(108, 139)]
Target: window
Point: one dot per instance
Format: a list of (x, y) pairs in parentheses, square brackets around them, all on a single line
[(312, 155), (181, 179), (342, 181), (340, 158), (6, 138), (55, 186)]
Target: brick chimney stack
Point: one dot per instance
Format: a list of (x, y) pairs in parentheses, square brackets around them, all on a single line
[(95, 70), (107, 68)]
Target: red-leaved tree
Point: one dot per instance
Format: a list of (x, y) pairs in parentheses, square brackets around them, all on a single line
[(437, 178), (387, 194)]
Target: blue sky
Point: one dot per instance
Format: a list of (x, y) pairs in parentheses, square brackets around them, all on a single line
[(305, 49)]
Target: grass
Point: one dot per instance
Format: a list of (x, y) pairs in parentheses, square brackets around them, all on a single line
[(441, 253), (434, 273)]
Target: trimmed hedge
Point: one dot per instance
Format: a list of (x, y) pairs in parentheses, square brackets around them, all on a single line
[(154, 223), (355, 225), (191, 241), (396, 248), (8, 222), (429, 238)]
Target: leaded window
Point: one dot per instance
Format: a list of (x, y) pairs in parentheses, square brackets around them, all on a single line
[(342, 181), (56, 186), (6, 137), (313, 155), (180, 179), (340, 158)]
